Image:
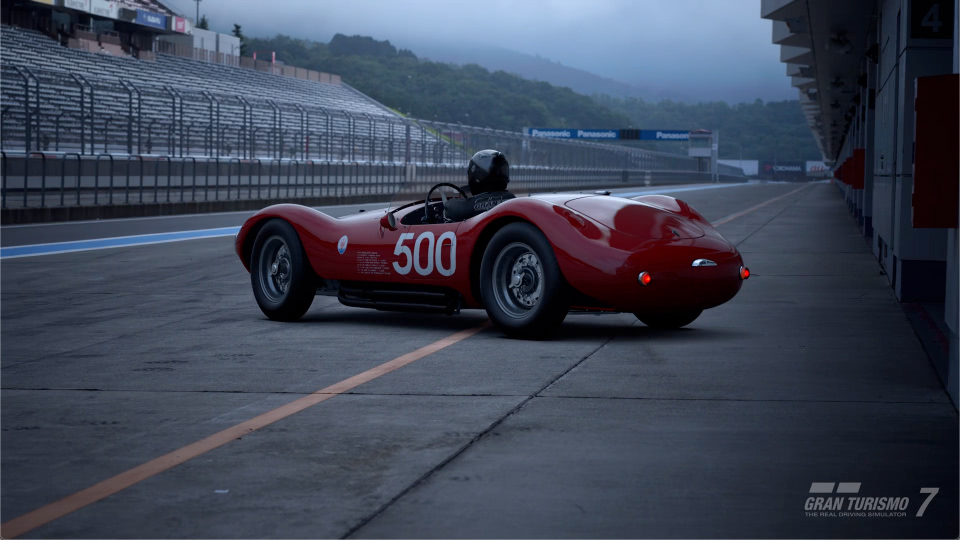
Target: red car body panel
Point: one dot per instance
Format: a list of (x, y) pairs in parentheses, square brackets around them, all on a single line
[(602, 244)]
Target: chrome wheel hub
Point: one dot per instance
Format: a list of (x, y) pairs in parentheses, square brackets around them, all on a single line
[(526, 281), (275, 268), (517, 280), (280, 269)]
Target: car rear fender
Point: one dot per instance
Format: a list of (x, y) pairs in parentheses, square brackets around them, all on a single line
[(313, 228), (579, 243)]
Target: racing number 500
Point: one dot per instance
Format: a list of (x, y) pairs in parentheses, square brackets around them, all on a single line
[(434, 250)]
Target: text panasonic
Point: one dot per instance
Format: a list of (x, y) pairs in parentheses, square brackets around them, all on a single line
[(552, 133), (672, 136), (596, 134)]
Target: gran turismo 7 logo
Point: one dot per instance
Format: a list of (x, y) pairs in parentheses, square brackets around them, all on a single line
[(843, 499)]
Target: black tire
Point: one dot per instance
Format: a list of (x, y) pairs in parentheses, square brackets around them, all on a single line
[(669, 320), (533, 308), (283, 282)]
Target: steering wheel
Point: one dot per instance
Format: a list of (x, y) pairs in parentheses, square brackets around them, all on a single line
[(427, 210)]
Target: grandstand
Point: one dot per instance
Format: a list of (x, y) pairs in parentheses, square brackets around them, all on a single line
[(78, 98), (32, 49)]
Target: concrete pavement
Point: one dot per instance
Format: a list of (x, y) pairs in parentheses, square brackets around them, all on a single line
[(811, 374)]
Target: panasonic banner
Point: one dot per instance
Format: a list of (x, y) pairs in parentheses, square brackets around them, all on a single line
[(676, 135), (664, 135), (572, 133)]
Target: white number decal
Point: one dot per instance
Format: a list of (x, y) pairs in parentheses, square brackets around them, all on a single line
[(453, 254), (932, 19), (423, 270), (405, 251), (434, 253)]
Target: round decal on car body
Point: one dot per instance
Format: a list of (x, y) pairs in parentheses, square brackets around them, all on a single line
[(342, 244)]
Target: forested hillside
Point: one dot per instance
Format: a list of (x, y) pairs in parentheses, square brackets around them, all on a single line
[(532, 67), (473, 95), (436, 91), (767, 131)]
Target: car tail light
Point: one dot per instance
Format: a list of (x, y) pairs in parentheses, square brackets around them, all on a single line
[(644, 278), (744, 272)]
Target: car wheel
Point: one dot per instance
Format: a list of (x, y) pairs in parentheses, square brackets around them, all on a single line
[(283, 282), (669, 320), (520, 283)]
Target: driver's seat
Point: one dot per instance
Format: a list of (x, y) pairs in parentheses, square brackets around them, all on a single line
[(461, 209)]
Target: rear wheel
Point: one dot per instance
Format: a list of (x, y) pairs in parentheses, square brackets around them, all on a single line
[(669, 320), (520, 283), (283, 282)]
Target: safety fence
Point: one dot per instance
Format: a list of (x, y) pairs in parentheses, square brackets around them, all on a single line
[(48, 110), (43, 180)]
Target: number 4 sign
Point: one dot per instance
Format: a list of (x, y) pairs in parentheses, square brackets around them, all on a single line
[(931, 19)]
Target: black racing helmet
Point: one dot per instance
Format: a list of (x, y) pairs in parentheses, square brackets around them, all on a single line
[(488, 172)]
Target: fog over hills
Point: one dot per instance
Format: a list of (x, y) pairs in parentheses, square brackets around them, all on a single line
[(535, 67), (683, 50)]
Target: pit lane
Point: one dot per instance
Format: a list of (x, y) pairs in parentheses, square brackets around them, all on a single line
[(111, 358)]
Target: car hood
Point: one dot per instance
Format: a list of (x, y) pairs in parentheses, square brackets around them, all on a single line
[(635, 218)]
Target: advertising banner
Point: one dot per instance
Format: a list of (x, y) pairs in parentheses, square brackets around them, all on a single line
[(573, 133), (597, 133), (179, 24), (105, 8), (817, 168), (664, 135), (783, 168), (678, 135), (82, 5), (151, 19)]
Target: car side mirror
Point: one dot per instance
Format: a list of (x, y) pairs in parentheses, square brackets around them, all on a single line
[(389, 221)]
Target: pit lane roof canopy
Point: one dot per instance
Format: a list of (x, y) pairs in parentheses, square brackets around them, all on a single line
[(822, 43)]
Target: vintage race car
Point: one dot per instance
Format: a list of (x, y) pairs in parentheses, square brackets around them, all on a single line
[(527, 260)]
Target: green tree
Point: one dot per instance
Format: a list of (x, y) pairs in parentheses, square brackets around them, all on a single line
[(204, 24), (238, 33)]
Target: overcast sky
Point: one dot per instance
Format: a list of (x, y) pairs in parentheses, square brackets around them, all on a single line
[(699, 47)]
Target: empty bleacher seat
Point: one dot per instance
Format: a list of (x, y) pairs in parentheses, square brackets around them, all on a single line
[(177, 97)]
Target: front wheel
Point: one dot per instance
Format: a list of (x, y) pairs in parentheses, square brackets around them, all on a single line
[(520, 283), (669, 320), (283, 282)]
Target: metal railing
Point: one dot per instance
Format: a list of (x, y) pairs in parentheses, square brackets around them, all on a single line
[(48, 110), (44, 179)]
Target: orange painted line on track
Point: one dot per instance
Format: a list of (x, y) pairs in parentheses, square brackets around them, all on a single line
[(71, 503), (742, 213)]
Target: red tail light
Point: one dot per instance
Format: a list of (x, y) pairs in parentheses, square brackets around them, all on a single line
[(644, 278), (744, 272)]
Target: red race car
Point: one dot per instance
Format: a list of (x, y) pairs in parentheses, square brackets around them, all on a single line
[(527, 260)]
